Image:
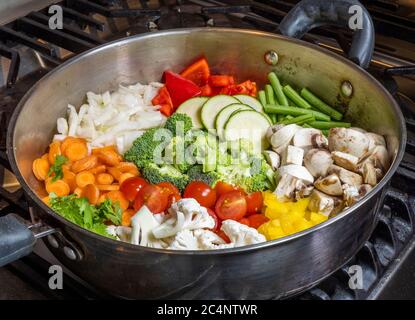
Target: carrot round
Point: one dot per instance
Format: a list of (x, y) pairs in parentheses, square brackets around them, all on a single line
[(124, 177), (109, 157), (69, 140), (59, 187), (126, 217), (101, 168), (84, 178), (70, 178), (129, 167), (104, 178), (40, 168), (46, 156), (108, 187), (78, 192), (86, 163), (118, 196), (76, 151), (54, 150), (102, 197), (96, 151), (90, 192), (114, 172), (46, 200)]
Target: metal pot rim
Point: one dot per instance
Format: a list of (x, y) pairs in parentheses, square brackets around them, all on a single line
[(267, 244)]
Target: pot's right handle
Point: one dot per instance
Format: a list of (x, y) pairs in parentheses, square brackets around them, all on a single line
[(16, 240), (309, 14)]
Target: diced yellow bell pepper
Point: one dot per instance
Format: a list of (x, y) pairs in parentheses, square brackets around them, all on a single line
[(316, 218), (271, 230), (302, 224)]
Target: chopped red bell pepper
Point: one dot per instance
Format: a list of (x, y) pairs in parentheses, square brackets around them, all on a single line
[(180, 89), (198, 72), (248, 87), (221, 80), (163, 99), (209, 91)]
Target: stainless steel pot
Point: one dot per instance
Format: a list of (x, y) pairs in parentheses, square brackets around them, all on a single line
[(273, 269)]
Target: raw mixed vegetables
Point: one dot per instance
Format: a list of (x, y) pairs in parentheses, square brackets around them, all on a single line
[(202, 162)]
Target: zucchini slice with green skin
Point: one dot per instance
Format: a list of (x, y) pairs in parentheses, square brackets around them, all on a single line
[(247, 124), (250, 101), (224, 115), (193, 108), (212, 107)]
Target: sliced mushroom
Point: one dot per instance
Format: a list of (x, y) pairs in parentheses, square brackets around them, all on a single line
[(364, 189), (318, 161), (325, 204), (319, 141), (346, 176), (293, 155), (352, 194), (375, 140), (330, 185), (285, 190), (369, 173), (302, 190), (284, 135), (273, 159), (349, 141), (307, 138), (298, 172), (380, 157), (272, 129), (358, 129), (345, 160)]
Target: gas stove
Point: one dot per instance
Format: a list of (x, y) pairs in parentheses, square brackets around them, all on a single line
[(29, 49)]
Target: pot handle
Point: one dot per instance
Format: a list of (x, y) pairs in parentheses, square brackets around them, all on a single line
[(309, 14), (16, 240)]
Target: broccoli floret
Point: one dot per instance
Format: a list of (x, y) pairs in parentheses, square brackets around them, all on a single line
[(179, 124), (144, 147), (196, 173), (156, 174)]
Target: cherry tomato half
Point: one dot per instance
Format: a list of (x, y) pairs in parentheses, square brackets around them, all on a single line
[(202, 192), (172, 192), (224, 187), (231, 205), (256, 220), (223, 235), (244, 221), (215, 217), (131, 186), (254, 202), (153, 197)]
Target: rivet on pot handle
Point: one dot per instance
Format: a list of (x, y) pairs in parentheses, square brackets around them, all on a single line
[(309, 14)]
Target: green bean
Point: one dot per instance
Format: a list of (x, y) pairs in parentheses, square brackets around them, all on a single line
[(299, 120), (320, 105), (324, 125), (325, 132), (306, 125), (294, 111), (276, 85), (269, 94), (262, 97), (295, 97), (274, 118), (288, 117)]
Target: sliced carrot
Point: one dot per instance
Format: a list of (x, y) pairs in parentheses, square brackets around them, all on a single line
[(124, 177), (59, 187), (101, 168), (45, 156), (118, 196), (104, 178), (70, 178), (46, 200), (128, 167), (77, 150), (86, 163), (96, 151), (78, 192), (84, 178), (126, 217), (108, 187), (102, 197), (114, 172), (54, 150), (90, 192), (69, 140), (109, 157), (40, 168)]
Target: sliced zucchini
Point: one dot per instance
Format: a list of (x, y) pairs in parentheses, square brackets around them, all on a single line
[(192, 108), (212, 107), (224, 115), (247, 124), (250, 101)]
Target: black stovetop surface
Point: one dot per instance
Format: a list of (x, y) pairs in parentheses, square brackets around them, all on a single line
[(387, 259)]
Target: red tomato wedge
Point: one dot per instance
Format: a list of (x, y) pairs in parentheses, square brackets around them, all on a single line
[(215, 217), (254, 202), (153, 197), (231, 205), (131, 186), (244, 221), (172, 192), (198, 72), (224, 187), (223, 235), (248, 87), (221, 80), (202, 192), (180, 89), (256, 220), (163, 99)]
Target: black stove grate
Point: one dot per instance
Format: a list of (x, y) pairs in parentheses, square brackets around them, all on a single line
[(394, 234)]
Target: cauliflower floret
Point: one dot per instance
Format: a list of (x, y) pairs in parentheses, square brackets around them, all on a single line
[(185, 214), (119, 232), (240, 234), (142, 222), (184, 240), (209, 240)]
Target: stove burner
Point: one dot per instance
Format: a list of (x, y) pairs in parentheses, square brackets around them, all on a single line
[(175, 19)]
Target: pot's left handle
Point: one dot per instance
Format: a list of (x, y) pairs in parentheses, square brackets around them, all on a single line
[(16, 239)]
